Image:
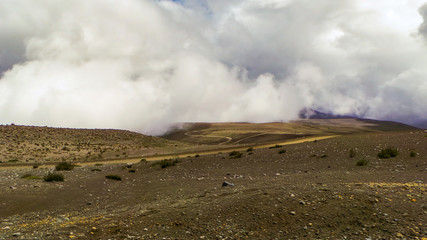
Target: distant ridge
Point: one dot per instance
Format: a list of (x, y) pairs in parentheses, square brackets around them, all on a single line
[(308, 113)]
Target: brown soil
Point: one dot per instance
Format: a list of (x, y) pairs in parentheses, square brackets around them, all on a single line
[(312, 191)]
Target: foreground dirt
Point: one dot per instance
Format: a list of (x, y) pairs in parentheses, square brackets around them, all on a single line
[(312, 191)]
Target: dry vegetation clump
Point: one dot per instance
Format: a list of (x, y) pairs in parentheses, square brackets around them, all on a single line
[(362, 162), (388, 153), (166, 163), (352, 153), (113, 177), (235, 154), (64, 166), (53, 177)]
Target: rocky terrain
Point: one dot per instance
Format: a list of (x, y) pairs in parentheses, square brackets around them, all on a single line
[(336, 188)]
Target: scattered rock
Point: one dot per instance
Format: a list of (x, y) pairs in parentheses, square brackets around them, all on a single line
[(227, 184), (292, 213), (17, 234)]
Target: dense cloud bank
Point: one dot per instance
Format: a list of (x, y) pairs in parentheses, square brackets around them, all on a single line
[(144, 65)]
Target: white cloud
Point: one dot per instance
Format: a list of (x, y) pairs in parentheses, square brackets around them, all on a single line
[(143, 64)]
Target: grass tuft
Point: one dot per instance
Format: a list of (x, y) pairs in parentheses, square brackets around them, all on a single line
[(352, 153), (388, 153), (235, 154), (282, 151), (29, 176), (166, 163), (64, 166), (114, 177), (53, 177), (362, 162)]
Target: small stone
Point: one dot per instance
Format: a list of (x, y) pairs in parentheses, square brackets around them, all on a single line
[(292, 195), (292, 213), (12, 188), (399, 235), (302, 202), (6, 228), (17, 234), (227, 184)]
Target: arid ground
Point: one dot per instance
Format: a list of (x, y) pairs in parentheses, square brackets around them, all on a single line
[(310, 190)]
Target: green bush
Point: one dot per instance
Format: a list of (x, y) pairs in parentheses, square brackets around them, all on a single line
[(388, 153), (235, 154), (362, 162), (114, 177), (412, 154), (64, 166), (53, 177)]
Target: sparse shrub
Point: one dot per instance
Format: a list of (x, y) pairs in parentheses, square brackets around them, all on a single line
[(166, 163), (412, 154), (275, 146), (282, 151), (29, 176), (98, 164), (197, 155), (13, 160), (64, 166), (143, 160), (26, 175), (250, 149), (96, 170), (362, 162), (235, 154), (322, 156), (352, 153), (36, 165), (114, 177), (388, 153), (132, 170), (53, 177)]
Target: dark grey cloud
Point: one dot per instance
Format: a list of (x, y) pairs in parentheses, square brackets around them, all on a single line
[(143, 64), (423, 27)]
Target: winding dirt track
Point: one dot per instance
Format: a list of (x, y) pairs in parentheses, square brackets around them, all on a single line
[(181, 155)]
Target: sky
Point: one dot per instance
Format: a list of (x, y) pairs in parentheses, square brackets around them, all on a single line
[(145, 65)]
